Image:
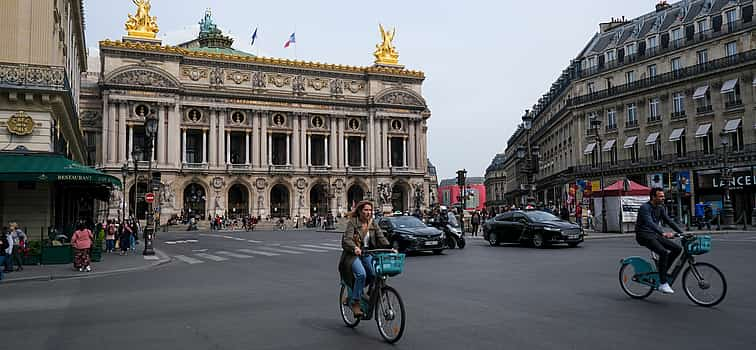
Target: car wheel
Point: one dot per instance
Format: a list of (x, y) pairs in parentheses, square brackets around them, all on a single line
[(573, 244), (492, 239), (538, 240), (437, 251)]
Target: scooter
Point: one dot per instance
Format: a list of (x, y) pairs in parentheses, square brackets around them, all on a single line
[(453, 236)]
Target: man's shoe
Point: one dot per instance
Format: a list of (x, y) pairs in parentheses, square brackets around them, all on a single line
[(666, 289), (356, 310), (89, 268)]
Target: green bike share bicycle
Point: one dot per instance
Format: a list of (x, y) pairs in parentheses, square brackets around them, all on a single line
[(383, 301), (702, 282)]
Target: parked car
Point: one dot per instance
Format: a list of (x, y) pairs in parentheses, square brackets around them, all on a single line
[(535, 227), (408, 234)]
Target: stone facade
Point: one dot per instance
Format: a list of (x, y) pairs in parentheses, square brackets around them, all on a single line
[(240, 134)]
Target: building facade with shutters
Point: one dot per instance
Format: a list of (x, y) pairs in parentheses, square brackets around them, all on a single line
[(245, 135), (669, 89)]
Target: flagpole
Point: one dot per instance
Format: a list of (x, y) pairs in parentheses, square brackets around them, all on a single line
[(295, 42)]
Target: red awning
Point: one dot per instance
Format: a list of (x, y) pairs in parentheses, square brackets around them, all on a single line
[(618, 189)]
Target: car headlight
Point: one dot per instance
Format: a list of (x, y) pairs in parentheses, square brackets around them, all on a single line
[(552, 229), (408, 236)]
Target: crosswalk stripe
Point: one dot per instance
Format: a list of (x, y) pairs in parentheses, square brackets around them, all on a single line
[(250, 251), (322, 246), (187, 259), (234, 255), (253, 241), (280, 250), (211, 257), (305, 249), (151, 257), (331, 244)]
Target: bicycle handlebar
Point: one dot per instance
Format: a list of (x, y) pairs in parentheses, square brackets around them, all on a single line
[(371, 251)]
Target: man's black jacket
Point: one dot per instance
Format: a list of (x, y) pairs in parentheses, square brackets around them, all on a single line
[(649, 218)]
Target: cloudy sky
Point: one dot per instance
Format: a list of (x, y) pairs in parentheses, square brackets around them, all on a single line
[(484, 61)]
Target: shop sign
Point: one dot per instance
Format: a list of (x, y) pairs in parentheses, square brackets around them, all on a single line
[(20, 124), (740, 180)]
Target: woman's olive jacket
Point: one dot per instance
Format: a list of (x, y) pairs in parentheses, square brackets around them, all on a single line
[(353, 236)]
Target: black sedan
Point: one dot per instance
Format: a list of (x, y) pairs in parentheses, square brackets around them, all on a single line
[(409, 234), (535, 227)]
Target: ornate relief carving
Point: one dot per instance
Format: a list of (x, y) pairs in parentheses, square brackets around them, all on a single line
[(22, 74), (355, 86), (337, 86), (143, 78), (258, 79), (238, 76), (317, 83), (298, 84), (279, 80), (261, 184), (194, 73), (194, 115), (400, 98), (89, 118), (20, 124), (216, 77), (301, 183)]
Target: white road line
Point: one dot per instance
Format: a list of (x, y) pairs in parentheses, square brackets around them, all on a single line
[(250, 251), (229, 237), (331, 244), (211, 257), (322, 246), (170, 242), (305, 249), (234, 255), (187, 259), (191, 241), (253, 241), (180, 242), (151, 257), (280, 250)]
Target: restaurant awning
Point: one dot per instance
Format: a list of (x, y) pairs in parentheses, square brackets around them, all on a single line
[(729, 86), (630, 142), (48, 167), (609, 144), (703, 130), (651, 139), (589, 148), (676, 134), (700, 92), (732, 126)]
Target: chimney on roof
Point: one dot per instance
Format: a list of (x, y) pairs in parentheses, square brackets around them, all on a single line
[(662, 5), (613, 23)]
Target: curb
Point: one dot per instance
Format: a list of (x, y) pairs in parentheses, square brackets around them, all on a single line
[(164, 260)]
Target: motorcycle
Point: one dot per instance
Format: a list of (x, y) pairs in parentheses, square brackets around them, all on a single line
[(453, 235)]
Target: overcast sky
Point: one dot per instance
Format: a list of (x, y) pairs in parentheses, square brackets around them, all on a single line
[(484, 61)]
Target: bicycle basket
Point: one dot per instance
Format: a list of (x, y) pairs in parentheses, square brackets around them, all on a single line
[(700, 245), (388, 264)]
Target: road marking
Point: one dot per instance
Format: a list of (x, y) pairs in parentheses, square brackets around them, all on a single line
[(305, 249), (151, 257), (250, 251), (253, 241), (234, 255), (191, 241), (331, 244), (229, 237), (322, 246), (280, 250), (188, 260), (170, 243), (211, 257), (199, 250)]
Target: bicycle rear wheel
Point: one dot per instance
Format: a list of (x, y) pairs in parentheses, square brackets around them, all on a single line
[(389, 315), (634, 289), (704, 284), (346, 310)]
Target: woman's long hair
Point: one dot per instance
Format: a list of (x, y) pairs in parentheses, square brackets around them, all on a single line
[(358, 208)]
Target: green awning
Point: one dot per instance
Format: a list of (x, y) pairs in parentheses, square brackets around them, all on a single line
[(47, 167)]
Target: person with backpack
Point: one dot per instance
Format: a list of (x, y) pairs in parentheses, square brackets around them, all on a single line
[(110, 234), (81, 241)]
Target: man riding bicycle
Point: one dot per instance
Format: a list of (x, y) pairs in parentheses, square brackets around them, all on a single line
[(649, 234)]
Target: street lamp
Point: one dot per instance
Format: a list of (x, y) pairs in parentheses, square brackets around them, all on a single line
[(727, 216), (462, 183), (596, 126), (136, 154), (150, 130), (124, 173)]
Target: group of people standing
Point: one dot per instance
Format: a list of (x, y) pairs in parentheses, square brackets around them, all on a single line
[(12, 244), (125, 233)]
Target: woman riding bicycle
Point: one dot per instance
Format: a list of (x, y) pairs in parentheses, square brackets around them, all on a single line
[(361, 233)]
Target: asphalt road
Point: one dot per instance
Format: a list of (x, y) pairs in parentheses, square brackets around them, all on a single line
[(223, 293)]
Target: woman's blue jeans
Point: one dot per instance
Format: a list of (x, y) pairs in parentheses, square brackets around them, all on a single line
[(362, 268)]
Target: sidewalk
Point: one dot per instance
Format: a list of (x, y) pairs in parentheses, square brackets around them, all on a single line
[(111, 263)]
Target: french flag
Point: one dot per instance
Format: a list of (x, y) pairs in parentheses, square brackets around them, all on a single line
[(291, 40)]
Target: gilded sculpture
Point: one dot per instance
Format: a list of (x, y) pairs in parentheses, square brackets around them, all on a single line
[(385, 52), (142, 25)]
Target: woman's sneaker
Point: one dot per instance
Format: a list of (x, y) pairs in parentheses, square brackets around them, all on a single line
[(89, 268), (666, 289)]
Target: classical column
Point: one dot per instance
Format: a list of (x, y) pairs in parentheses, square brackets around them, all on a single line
[(362, 152), (371, 139), (255, 140), (303, 141), (183, 145), (131, 143), (222, 116), (264, 146), (112, 135), (340, 144), (295, 142), (104, 135), (270, 149), (412, 145), (228, 147), (385, 146), (213, 146), (174, 143), (309, 150), (332, 159), (388, 156), (246, 147), (346, 152), (327, 158), (160, 142), (288, 149), (404, 152), (204, 146), (122, 133)]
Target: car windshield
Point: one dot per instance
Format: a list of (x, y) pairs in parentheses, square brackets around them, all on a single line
[(407, 222), (452, 220), (540, 216)]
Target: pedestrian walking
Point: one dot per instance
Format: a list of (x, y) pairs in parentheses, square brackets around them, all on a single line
[(82, 242), (132, 240), (4, 244), (475, 221), (19, 244), (125, 239), (579, 215), (110, 236), (8, 251)]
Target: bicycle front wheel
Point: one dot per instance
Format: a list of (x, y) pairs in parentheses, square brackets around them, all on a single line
[(704, 284), (634, 289), (390, 315), (346, 310)]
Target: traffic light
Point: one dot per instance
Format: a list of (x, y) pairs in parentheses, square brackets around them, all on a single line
[(461, 177)]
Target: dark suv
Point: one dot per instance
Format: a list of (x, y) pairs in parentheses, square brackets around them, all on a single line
[(535, 227), (408, 233)]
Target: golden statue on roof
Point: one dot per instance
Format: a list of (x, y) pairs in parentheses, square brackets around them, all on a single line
[(142, 25), (385, 52)]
